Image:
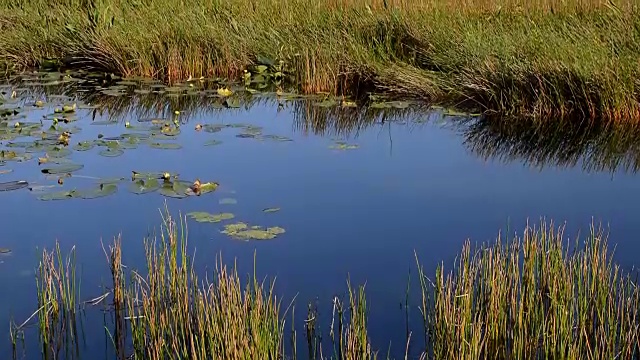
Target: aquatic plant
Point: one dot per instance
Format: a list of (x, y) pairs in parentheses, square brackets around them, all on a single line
[(540, 58), (532, 296)]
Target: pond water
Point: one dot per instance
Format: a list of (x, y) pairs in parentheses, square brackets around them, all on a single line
[(359, 190)]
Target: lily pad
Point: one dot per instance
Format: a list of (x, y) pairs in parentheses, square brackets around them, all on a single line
[(101, 191), (212, 142), (111, 152), (165, 146), (58, 195), (343, 146), (144, 186), (62, 168), (277, 138), (58, 151), (176, 189), (6, 155), (227, 201), (13, 185), (152, 175), (200, 216), (84, 146), (242, 231)]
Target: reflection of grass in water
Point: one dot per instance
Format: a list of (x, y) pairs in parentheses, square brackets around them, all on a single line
[(526, 297), (595, 146)]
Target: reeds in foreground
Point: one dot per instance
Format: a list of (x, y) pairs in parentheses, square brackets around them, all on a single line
[(536, 296), (531, 298), (58, 293)]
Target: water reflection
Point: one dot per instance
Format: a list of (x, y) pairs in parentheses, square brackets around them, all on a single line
[(594, 146)]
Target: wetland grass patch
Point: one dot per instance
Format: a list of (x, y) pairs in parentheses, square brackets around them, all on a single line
[(546, 58), (537, 295)]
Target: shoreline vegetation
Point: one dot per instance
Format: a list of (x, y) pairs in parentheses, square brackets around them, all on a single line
[(532, 296), (543, 59)]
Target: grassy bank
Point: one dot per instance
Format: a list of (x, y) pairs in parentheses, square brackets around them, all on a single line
[(528, 297), (542, 58)]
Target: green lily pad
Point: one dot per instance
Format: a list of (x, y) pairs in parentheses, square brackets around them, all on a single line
[(58, 151), (13, 185), (111, 152), (58, 195), (7, 155), (152, 175), (104, 123), (213, 128), (212, 142), (228, 201), (62, 168), (242, 231), (176, 189), (277, 138), (271, 210), (101, 191), (343, 146), (84, 146), (144, 186), (200, 216), (165, 146)]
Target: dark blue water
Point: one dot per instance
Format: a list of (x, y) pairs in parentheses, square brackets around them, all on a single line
[(415, 183)]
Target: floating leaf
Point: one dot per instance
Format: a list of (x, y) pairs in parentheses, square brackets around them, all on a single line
[(6, 155), (111, 152), (199, 188), (58, 195), (242, 231), (84, 146), (343, 146), (176, 189), (13, 185), (58, 151), (62, 169), (271, 210), (277, 138), (212, 142), (200, 216), (228, 201), (153, 175), (165, 146), (144, 186), (101, 191)]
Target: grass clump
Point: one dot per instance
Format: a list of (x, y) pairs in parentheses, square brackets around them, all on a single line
[(175, 315), (538, 58), (532, 298)]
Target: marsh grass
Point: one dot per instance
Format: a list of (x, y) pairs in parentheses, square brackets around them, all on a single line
[(538, 295), (58, 293), (530, 298), (537, 58)]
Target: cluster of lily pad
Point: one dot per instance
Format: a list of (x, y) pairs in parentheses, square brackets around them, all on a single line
[(239, 230)]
